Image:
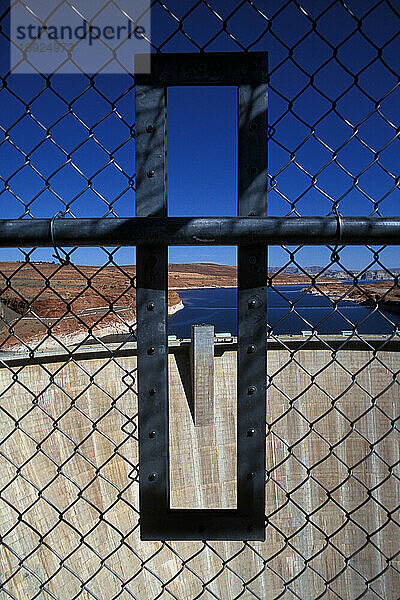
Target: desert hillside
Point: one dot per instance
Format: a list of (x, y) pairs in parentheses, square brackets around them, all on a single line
[(54, 303), (197, 275)]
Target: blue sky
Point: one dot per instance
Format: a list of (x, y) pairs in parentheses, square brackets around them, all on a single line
[(350, 114)]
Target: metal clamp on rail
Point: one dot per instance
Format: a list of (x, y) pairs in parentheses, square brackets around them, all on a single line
[(61, 260)]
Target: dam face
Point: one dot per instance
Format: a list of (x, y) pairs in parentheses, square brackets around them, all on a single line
[(69, 509)]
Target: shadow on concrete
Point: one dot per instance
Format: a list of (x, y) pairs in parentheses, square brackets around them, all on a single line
[(182, 358)]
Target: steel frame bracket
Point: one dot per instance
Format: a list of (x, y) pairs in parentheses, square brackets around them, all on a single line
[(247, 71)]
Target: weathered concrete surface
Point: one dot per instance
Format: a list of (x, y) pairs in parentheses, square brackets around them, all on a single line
[(332, 454), (202, 374)]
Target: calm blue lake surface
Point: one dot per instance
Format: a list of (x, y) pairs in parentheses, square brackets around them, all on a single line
[(289, 311)]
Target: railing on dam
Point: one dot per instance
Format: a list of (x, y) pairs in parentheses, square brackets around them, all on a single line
[(70, 512)]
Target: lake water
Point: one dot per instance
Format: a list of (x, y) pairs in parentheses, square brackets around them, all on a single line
[(289, 311)]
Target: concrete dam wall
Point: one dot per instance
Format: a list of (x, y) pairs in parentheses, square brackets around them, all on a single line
[(69, 507)]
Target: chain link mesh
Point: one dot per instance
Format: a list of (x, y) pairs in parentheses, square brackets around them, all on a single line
[(69, 507)]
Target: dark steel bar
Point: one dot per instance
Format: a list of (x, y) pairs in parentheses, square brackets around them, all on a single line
[(158, 520), (198, 524), (252, 310), (216, 68), (204, 231), (152, 305)]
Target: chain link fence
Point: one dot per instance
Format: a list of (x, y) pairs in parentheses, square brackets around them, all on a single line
[(69, 508)]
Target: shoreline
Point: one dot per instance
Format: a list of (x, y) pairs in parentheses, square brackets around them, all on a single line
[(367, 298), (203, 287), (175, 308), (277, 284)]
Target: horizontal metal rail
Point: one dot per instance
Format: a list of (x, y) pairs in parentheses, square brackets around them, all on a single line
[(194, 231)]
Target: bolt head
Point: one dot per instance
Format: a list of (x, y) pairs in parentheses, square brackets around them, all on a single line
[(251, 349), (252, 390), (152, 434), (252, 303), (252, 260), (151, 173), (149, 128), (251, 475), (152, 476), (150, 306), (251, 432), (151, 350), (152, 391)]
